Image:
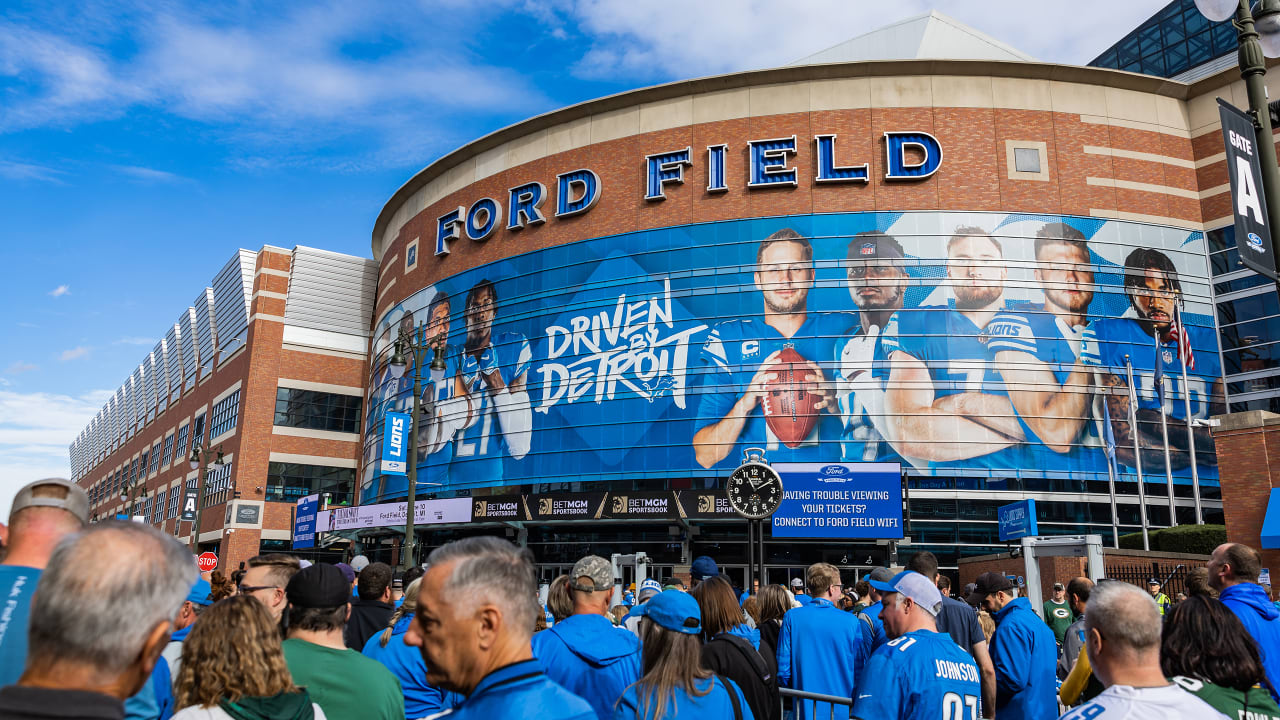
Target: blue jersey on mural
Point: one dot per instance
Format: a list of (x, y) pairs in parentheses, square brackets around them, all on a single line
[(732, 355), (860, 440), (1108, 340), (952, 349), (922, 675), (433, 466), (481, 447), (1039, 333)]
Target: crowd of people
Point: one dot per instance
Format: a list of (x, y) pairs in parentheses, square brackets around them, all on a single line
[(112, 620)]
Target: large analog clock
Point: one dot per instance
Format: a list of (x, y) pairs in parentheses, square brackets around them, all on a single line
[(755, 490)]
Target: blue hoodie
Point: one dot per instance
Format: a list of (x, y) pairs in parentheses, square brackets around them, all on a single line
[(821, 649), (1261, 618), (714, 704), (747, 633), (1024, 651), (521, 691), (406, 663), (591, 658)]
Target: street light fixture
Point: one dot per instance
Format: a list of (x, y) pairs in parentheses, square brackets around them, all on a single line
[(408, 342), (200, 460)]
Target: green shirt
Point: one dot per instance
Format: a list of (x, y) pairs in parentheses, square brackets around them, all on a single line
[(1253, 704), (344, 683), (1058, 616)]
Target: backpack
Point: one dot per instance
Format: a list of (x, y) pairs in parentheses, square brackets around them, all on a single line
[(756, 662)]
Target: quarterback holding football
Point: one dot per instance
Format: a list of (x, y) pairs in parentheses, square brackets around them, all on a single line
[(762, 386)]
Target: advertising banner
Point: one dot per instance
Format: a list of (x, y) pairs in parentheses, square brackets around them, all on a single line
[(395, 445), (189, 505), (839, 500), (1018, 520), (1244, 168), (304, 522), (426, 512), (964, 345)]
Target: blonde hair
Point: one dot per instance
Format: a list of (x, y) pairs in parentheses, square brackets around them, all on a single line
[(407, 608), (233, 651)]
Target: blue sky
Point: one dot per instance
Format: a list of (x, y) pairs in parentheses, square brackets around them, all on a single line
[(142, 143)]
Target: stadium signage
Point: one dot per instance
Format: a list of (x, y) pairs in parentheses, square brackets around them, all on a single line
[(1244, 168), (908, 156)]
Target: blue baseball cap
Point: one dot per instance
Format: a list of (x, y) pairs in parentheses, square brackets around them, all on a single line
[(703, 568), (674, 610), (201, 593), (915, 586)]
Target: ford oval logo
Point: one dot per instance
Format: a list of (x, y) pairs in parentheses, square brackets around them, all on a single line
[(1255, 242), (835, 470)]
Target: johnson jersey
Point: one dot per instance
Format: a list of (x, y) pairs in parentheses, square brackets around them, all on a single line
[(860, 441), (922, 675), (953, 350), (1032, 330), (482, 446), (731, 356), (1108, 340)]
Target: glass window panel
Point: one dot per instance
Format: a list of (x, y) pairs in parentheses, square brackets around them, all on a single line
[(1249, 308), (1199, 49), (1175, 56), (318, 410), (1153, 64), (1193, 21), (1173, 30), (1149, 40), (1249, 359), (1224, 39), (1240, 283), (287, 482)]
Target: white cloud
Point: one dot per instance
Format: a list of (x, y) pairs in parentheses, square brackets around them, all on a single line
[(74, 353), (60, 291), (130, 340), (149, 175), (24, 171), (18, 367), (35, 432)]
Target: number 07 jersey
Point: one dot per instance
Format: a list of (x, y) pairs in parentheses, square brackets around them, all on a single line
[(922, 675)]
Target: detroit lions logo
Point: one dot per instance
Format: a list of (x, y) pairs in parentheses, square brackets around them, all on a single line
[(659, 386)]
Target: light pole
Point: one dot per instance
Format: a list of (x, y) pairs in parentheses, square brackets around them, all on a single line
[(409, 342), (200, 460)]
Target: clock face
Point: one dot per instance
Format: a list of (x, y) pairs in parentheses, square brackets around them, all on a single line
[(755, 490)]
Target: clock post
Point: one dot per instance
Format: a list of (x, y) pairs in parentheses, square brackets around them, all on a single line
[(755, 492)]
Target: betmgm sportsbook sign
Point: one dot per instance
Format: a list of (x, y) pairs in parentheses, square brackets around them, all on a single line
[(909, 156)]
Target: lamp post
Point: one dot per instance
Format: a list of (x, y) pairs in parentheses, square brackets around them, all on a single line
[(200, 460), (409, 342)]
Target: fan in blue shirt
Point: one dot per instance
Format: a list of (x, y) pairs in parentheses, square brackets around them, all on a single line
[(492, 377), (876, 282), (921, 674), (1153, 288), (946, 402), (821, 648), (738, 355)]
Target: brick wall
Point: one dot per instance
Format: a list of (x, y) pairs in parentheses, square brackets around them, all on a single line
[(1135, 566), (1246, 442)]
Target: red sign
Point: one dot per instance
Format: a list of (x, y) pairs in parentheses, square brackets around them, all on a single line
[(207, 562)]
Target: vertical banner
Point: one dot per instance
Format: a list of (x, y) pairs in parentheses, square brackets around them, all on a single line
[(189, 505), (1249, 204), (395, 449), (304, 522)]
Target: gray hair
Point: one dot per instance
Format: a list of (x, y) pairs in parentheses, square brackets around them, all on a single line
[(491, 569), (104, 590), (1125, 615)]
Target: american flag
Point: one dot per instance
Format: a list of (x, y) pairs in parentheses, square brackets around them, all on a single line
[(1178, 332)]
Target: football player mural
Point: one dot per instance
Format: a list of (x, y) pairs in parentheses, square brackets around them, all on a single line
[(961, 344)]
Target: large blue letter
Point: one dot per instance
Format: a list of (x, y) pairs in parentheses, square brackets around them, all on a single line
[(665, 168), (447, 229), (525, 201), (482, 219), (896, 166), (827, 170), (715, 168), (585, 179), (769, 160)]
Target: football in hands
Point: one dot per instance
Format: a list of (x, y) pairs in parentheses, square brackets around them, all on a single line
[(788, 403)]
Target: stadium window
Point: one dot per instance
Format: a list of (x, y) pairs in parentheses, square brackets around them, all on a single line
[(180, 447), (314, 410), (197, 431), (287, 482), (224, 415), (168, 450)]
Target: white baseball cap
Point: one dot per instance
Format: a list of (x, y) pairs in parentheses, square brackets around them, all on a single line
[(915, 586)]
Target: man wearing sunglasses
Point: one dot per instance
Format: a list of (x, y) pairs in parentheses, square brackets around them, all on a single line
[(266, 578)]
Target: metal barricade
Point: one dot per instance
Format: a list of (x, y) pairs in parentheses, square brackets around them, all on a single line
[(811, 700)]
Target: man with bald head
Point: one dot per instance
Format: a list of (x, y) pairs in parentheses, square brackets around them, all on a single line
[(42, 514), (1122, 638), (1233, 572)]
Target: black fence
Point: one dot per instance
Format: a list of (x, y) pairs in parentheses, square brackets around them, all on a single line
[(1171, 575)]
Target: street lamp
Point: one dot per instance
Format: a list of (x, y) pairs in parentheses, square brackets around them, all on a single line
[(408, 342), (200, 460)]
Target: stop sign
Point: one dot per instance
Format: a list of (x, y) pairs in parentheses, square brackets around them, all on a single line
[(207, 562)]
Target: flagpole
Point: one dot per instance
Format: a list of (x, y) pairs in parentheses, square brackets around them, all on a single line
[(1111, 478), (1186, 400), (1137, 454), (1164, 426)]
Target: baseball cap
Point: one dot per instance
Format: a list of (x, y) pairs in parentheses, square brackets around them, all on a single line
[(648, 589), (359, 563), (988, 583), (320, 586), (75, 502), (873, 246), (1059, 586), (797, 582), (915, 586), (201, 593), (881, 574), (347, 571), (674, 610), (594, 567), (703, 568)]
